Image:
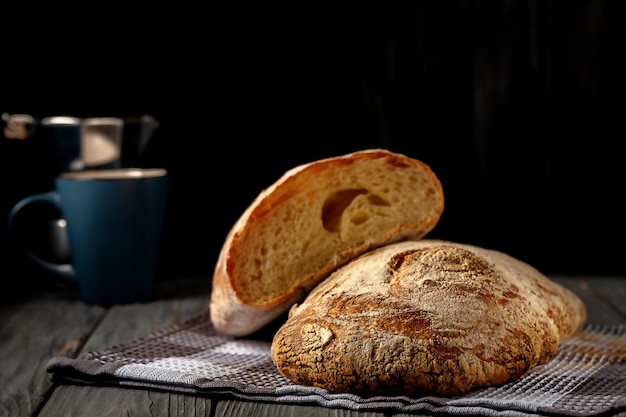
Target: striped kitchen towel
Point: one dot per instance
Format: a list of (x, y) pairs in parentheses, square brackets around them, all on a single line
[(587, 377)]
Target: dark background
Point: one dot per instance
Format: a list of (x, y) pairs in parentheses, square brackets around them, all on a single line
[(517, 106)]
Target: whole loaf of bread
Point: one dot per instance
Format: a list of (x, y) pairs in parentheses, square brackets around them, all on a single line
[(425, 316)]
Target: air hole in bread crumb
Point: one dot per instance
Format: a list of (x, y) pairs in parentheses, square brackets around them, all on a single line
[(359, 218), (336, 204), (377, 200)]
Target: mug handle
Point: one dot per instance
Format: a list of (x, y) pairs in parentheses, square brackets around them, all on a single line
[(65, 271)]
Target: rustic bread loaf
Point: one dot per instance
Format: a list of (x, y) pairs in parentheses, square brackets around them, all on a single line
[(425, 316), (313, 219)]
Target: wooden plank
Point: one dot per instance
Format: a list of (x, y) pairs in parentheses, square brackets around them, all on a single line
[(127, 322), (80, 401), (32, 331), (232, 408), (611, 290), (599, 310), (123, 323)]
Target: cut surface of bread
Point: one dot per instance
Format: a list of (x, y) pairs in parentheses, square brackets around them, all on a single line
[(313, 219), (425, 316)]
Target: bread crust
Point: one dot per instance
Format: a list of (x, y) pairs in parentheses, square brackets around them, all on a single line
[(234, 312), (425, 316)]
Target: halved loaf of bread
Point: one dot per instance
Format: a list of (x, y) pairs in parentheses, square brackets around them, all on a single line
[(312, 220), (425, 316)]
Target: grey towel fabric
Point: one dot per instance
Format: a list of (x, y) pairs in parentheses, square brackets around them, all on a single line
[(586, 378)]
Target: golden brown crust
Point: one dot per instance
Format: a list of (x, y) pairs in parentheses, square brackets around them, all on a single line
[(313, 219), (425, 316)]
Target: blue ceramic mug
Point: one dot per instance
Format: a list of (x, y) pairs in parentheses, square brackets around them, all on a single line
[(114, 220)]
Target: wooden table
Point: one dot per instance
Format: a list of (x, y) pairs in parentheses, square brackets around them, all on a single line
[(54, 322)]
